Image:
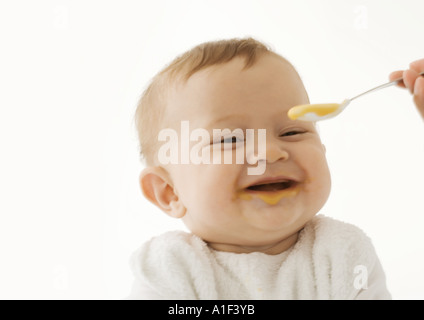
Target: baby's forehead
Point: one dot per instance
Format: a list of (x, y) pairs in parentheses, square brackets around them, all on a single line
[(235, 75), (230, 87)]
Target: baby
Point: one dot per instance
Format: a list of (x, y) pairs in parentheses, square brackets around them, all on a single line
[(255, 234)]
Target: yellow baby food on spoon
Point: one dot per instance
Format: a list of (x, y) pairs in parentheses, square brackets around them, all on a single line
[(315, 112)]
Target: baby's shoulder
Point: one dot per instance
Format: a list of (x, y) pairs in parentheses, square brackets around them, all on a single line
[(167, 265), (172, 245), (170, 238), (339, 239), (333, 229)]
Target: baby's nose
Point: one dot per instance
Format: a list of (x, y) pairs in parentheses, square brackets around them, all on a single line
[(268, 150), (275, 151)]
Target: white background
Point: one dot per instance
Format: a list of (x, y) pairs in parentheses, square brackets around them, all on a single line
[(71, 73)]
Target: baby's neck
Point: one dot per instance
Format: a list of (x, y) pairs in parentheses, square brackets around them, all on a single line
[(271, 249)]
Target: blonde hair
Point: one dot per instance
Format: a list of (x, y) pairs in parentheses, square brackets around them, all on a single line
[(152, 104)]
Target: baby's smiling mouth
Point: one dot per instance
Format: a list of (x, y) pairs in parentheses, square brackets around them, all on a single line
[(272, 186), (271, 190)]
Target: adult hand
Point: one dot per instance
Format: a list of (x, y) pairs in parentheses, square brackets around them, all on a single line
[(413, 82)]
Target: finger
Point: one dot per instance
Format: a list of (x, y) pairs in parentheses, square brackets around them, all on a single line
[(419, 87), (418, 65), (396, 75), (419, 95), (409, 77)]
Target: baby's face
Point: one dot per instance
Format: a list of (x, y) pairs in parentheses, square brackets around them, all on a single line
[(223, 206)]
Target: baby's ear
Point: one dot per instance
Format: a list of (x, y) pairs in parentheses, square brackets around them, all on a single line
[(158, 189)]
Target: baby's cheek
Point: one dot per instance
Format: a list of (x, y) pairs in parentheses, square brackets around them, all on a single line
[(318, 181), (209, 183)]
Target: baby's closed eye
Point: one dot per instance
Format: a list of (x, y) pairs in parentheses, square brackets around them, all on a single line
[(292, 132), (231, 140)]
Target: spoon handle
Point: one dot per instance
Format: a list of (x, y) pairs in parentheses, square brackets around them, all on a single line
[(388, 84)]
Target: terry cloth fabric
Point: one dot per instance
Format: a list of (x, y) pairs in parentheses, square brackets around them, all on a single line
[(330, 260)]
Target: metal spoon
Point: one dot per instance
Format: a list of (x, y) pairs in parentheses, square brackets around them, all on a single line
[(317, 112)]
